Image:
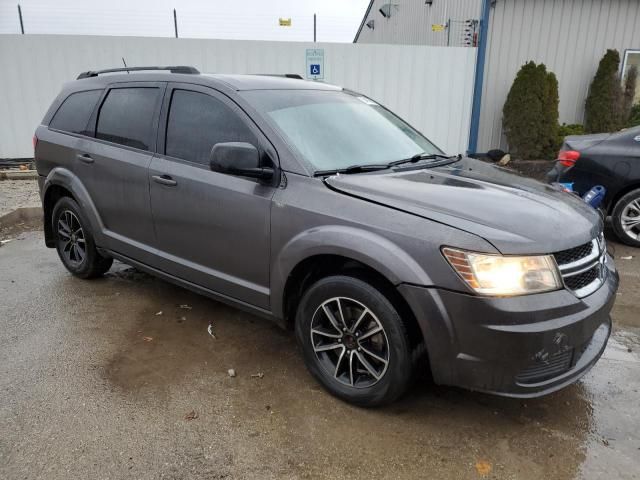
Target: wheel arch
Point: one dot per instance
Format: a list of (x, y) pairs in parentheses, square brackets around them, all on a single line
[(63, 183), (316, 267), (340, 250)]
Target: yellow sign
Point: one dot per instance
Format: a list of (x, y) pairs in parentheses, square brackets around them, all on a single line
[(285, 22), (438, 27)]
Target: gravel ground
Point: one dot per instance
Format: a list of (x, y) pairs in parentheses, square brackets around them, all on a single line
[(18, 193)]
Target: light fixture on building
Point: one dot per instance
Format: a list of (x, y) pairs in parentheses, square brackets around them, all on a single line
[(428, 2), (370, 24), (386, 9)]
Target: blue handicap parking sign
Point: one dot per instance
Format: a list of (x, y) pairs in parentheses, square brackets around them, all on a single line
[(314, 69)]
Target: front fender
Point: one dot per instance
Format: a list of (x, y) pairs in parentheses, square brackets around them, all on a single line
[(366, 247), (66, 179)]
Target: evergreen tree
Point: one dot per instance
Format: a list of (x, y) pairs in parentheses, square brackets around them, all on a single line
[(604, 105), (530, 114), (551, 111)]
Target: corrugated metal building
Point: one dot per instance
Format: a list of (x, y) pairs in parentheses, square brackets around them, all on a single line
[(411, 22), (568, 36)]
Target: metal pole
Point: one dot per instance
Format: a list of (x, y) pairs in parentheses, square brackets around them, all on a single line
[(175, 22), (314, 28), (20, 16), (479, 80), (448, 32)]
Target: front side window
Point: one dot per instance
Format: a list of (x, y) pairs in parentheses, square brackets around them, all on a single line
[(126, 117), (197, 122), (334, 130), (73, 115)]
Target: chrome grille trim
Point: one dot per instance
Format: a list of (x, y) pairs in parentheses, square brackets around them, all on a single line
[(594, 260)]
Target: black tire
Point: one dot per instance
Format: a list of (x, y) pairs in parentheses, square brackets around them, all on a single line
[(363, 388), (74, 243), (630, 203)]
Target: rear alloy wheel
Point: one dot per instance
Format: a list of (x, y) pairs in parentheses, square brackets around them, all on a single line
[(74, 241), (626, 218), (354, 341)]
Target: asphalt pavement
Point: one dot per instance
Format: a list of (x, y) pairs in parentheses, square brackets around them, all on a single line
[(119, 378)]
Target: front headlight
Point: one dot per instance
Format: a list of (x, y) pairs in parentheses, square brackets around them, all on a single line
[(499, 275)]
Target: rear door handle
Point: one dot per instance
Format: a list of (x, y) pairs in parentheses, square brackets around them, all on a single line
[(164, 180), (84, 157)]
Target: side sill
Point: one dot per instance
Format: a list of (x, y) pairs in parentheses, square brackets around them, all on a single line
[(246, 307)]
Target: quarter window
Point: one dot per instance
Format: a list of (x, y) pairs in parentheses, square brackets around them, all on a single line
[(197, 122), (126, 117), (73, 115)]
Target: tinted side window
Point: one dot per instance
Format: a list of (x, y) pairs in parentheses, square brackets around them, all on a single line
[(126, 117), (73, 115), (197, 122)]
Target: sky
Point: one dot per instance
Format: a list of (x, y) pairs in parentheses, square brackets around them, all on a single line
[(337, 20)]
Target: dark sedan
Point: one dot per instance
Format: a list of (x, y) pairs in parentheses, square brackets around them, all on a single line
[(613, 161)]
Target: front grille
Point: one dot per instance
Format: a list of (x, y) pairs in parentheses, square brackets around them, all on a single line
[(573, 254), (550, 367), (584, 279), (583, 268)]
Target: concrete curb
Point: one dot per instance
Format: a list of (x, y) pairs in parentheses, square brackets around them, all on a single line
[(20, 215), (18, 175)]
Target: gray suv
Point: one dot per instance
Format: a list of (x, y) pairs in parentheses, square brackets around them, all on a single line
[(318, 208)]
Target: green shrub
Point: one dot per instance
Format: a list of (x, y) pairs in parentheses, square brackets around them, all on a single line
[(550, 125), (530, 114), (604, 109), (634, 118), (565, 130)]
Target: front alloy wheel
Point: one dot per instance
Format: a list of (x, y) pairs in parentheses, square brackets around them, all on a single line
[(354, 341), (350, 342)]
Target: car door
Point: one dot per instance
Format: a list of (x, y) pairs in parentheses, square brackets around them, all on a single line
[(114, 164), (212, 229)]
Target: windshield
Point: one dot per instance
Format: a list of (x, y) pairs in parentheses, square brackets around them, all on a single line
[(333, 130)]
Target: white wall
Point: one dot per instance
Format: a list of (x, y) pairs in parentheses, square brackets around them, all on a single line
[(430, 87)]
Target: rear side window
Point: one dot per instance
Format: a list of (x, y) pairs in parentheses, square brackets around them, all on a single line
[(197, 122), (73, 115), (126, 117)]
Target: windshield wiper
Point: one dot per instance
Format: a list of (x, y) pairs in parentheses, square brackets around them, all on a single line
[(353, 169), (383, 166), (421, 156)]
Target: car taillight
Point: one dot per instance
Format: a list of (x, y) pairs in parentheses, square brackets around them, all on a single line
[(568, 158)]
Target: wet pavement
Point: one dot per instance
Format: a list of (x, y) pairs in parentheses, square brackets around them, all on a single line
[(96, 383)]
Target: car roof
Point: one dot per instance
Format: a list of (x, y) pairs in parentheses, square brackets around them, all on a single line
[(235, 82)]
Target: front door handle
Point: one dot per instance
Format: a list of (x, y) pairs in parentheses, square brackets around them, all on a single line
[(164, 180), (84, 157)]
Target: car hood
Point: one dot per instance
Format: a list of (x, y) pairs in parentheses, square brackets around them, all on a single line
[(514, 213)]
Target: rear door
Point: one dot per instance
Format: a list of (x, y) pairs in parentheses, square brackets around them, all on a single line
[(114, 166), (212, 229)]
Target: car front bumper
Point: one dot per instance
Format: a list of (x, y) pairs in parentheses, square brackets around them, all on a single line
[(523, 346)]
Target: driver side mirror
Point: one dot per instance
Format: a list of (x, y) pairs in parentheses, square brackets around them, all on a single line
[(238, 158)]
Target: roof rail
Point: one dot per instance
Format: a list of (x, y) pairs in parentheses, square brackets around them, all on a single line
[(172, 69), (287, 75)]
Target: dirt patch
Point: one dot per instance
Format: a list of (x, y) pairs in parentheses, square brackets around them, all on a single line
[(17, 194), (21, 220), (536, 169)]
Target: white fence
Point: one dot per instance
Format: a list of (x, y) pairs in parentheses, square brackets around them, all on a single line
[(430, 87)]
